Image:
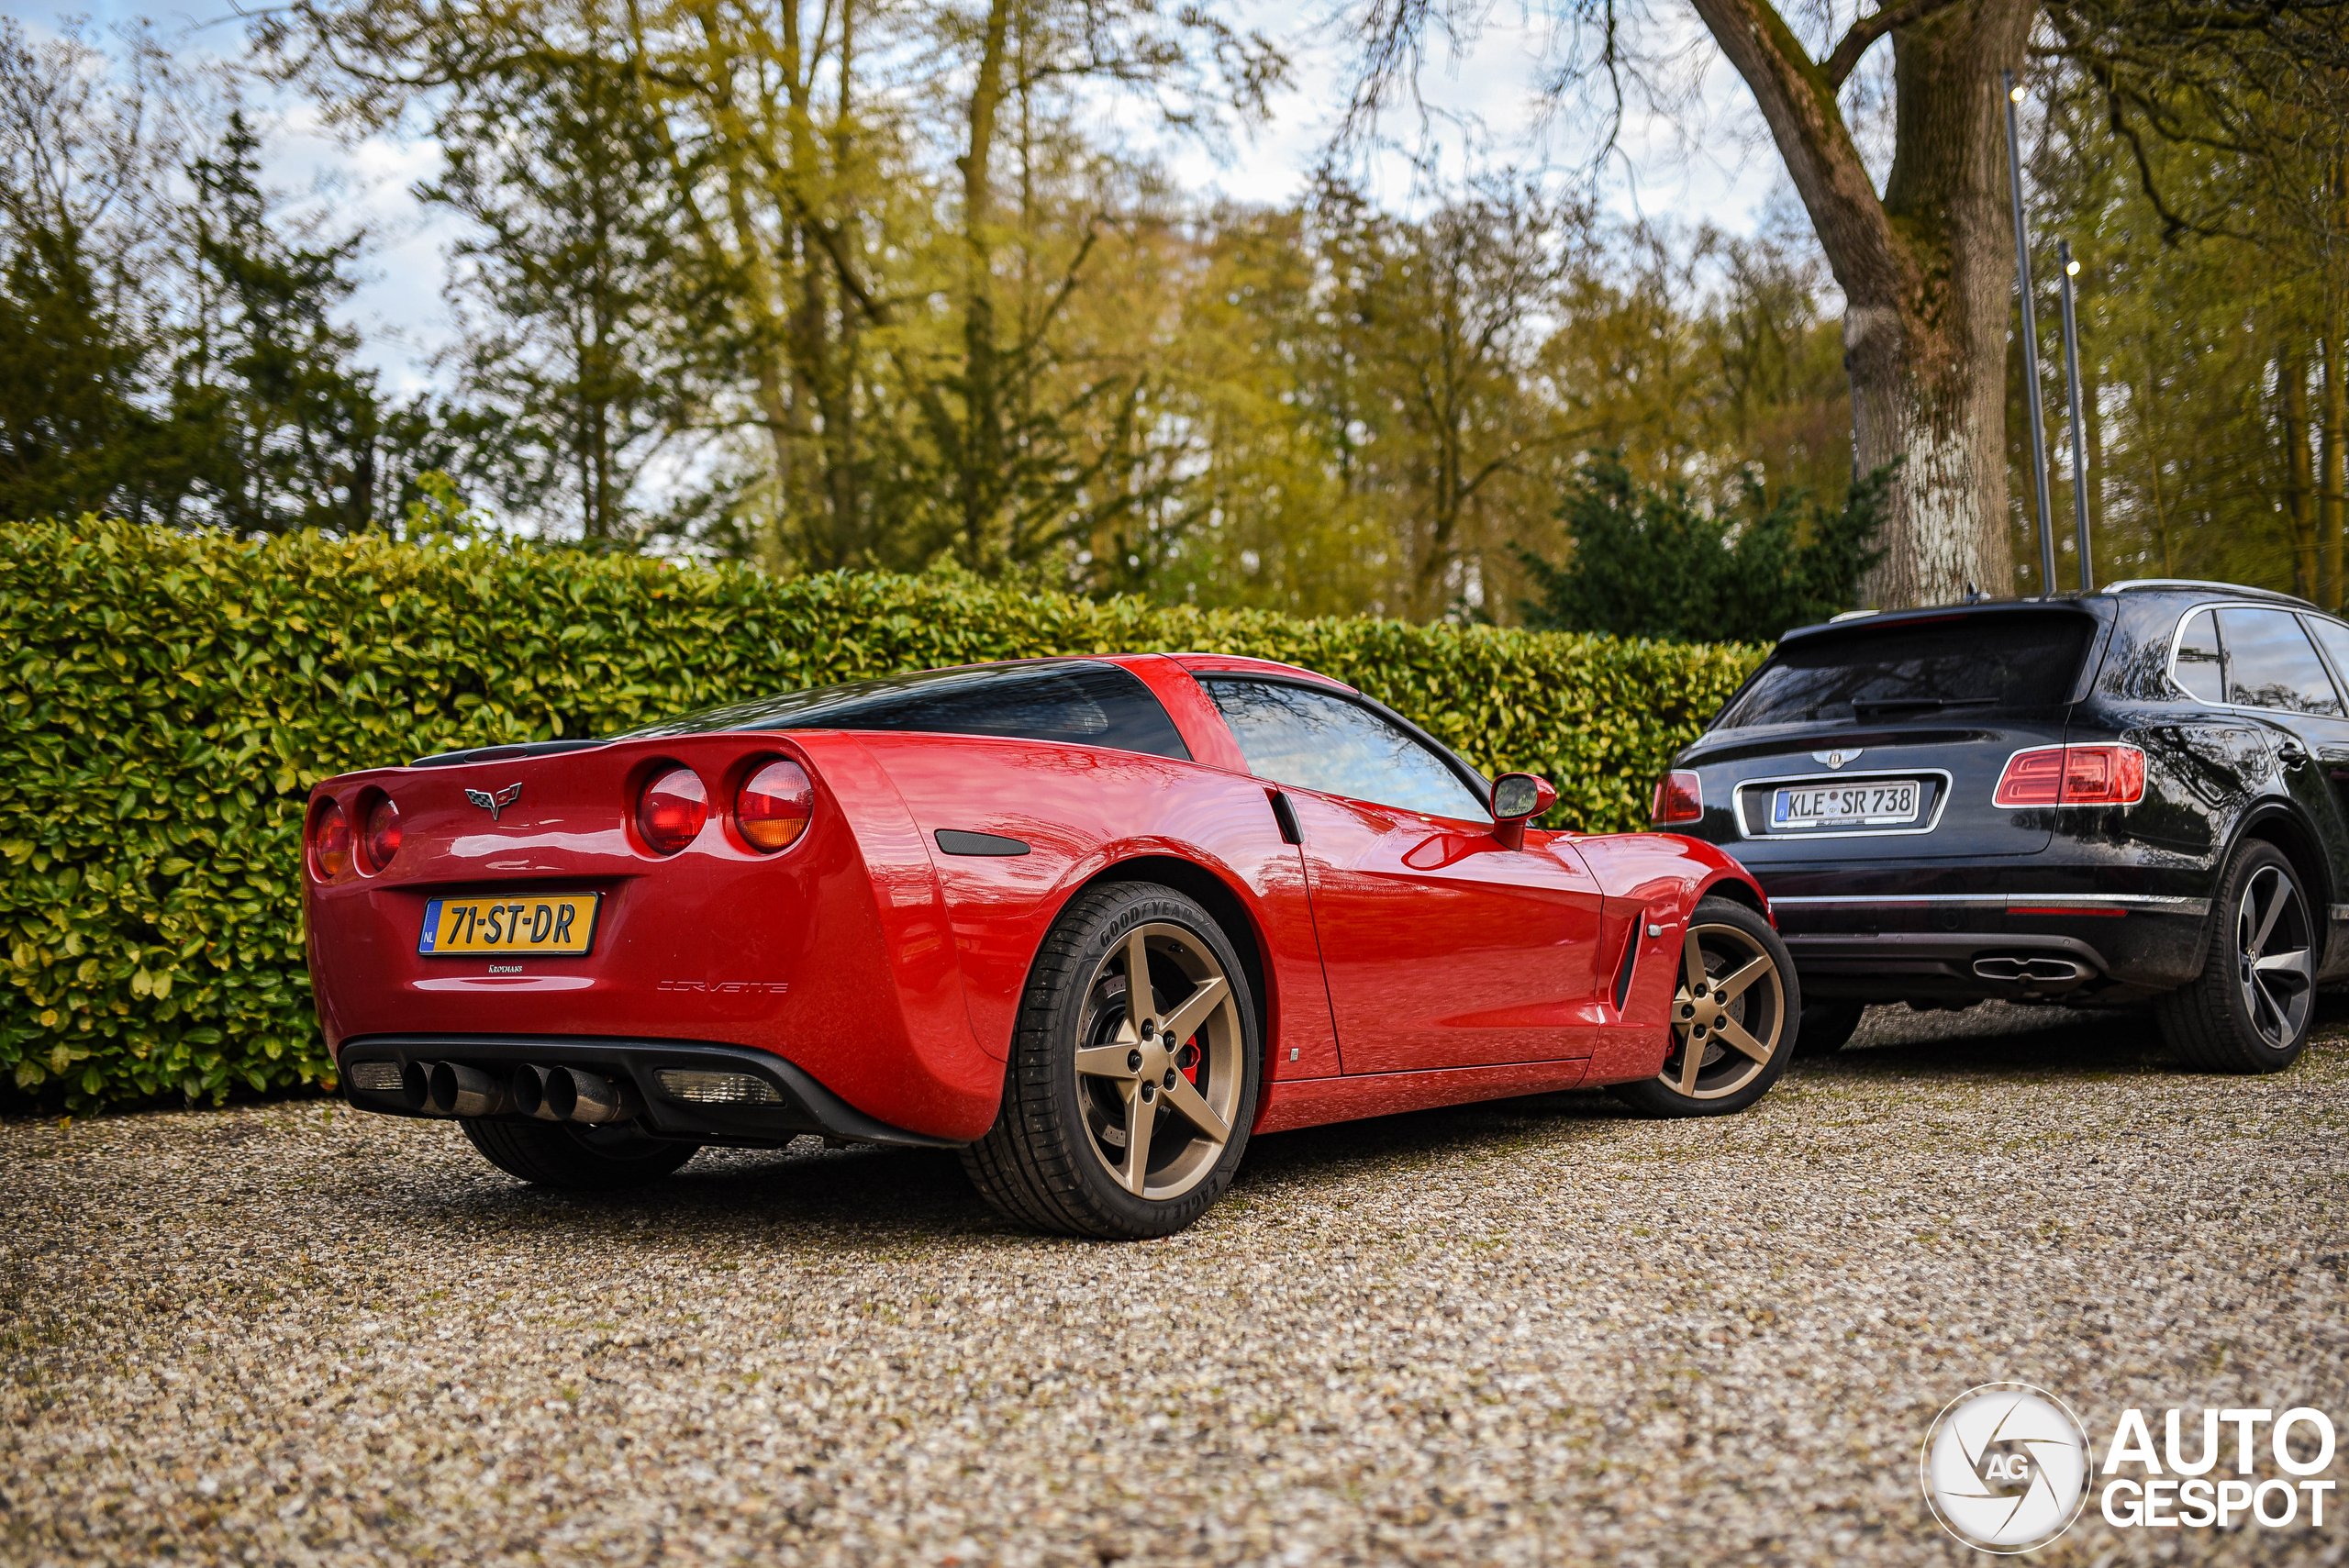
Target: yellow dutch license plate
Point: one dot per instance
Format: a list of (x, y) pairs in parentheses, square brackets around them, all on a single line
[(525, 925)]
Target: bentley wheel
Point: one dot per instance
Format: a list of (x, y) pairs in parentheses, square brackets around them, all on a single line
[(1827, 1027), (2249, 1010), (1735, 1011), (1133, 1076)]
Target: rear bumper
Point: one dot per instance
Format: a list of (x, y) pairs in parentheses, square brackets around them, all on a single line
[(1972, 947), (803, 1105)]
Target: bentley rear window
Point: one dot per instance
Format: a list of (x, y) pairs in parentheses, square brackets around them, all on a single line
[(1967, 663), (1078, 701)]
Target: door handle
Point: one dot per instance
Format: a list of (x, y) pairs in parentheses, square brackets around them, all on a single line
[(2293, 753)]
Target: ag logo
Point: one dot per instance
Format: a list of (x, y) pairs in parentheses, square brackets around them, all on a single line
[(2005, 1467), (1838, 757)]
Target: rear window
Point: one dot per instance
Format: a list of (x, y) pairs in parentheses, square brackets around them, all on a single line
[(1917, 669), (1079, 702)]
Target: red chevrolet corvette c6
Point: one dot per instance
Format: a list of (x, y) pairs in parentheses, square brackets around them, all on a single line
[(1091, 921)]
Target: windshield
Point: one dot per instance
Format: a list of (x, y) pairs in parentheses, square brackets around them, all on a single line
[(1077, 702), (1917, 668)]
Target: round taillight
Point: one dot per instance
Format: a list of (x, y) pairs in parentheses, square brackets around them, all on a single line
[(673, 810), (381, 839), (773, 807), (330, 842)]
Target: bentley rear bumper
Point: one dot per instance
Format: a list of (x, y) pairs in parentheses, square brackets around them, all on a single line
[(1963, 949)]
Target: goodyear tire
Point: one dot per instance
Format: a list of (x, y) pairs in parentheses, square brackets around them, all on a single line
[(1126, 1106)]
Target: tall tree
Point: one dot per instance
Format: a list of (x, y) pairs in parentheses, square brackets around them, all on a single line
[(87, 161), (577, 348), (268, 377), (1926, 264), (72, 435), (897, 330)]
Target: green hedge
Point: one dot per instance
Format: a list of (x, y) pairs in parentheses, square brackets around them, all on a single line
[(171, 699)]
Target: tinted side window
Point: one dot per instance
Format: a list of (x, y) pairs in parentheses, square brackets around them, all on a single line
[(1080, 702), (2196, 666), (2333, 637), (2270, 664), (2026, 660), (1292, 736)]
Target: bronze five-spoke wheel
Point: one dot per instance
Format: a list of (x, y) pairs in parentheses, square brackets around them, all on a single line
[(1134, 1070), (1161, 1082), (1734, 1011)]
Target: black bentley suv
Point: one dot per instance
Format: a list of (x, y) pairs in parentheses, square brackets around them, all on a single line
[(2129, 796)]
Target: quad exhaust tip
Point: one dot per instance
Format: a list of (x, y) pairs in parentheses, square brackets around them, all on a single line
[(549, 1093), (570, 1094)]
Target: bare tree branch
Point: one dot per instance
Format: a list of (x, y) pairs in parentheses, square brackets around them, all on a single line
[(1867, 29)]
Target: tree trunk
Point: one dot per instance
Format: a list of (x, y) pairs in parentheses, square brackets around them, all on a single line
[(978, 468), (2157, 444), (2336, 470), (1926, 273), (2093, 374), (2292, 380)]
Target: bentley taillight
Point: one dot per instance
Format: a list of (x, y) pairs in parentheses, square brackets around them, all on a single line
[(330, 842), (672, 810), (380, 841), (1679, 797), (2072, 775), (772, 809)]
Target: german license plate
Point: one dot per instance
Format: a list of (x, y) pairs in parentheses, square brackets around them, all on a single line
[(540, 925), (1881, 803)]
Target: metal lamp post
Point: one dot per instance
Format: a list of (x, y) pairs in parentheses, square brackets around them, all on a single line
[(2072, 381), (2029, 346)]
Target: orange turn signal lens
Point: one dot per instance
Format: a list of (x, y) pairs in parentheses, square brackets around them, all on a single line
[(772, 809), (330, 842)]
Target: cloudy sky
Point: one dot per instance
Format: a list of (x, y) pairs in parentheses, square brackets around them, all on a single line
[(1703, 165)]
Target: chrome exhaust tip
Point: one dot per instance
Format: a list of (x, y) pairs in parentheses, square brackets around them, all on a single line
[(529, 1091), (450, 1088), (2031, 971), (416, 1088), (459, 1090), (574, 1093)]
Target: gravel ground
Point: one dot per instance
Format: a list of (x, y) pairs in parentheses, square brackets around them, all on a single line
[(1534, 1331)]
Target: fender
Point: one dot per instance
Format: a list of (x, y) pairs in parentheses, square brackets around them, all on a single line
[(1081, 813)]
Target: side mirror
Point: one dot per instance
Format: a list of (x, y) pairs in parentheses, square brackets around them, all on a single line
[(1518, 797)]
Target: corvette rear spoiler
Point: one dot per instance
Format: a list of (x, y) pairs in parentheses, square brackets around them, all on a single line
[(504, 753)]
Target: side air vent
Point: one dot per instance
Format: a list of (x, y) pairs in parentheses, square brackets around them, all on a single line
[(1631, 959)]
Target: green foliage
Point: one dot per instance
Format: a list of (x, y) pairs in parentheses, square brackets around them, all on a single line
[(170, 699), (1653, 563), (67, 425)]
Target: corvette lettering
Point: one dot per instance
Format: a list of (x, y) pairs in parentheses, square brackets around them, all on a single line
[(726, 987)]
